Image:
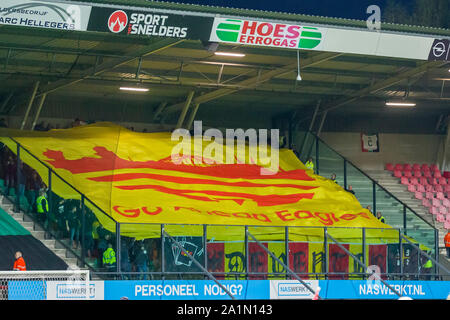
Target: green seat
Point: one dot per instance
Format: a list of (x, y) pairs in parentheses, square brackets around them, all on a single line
[(12, 192)]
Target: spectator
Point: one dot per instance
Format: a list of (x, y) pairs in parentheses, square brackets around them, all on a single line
[(369, 207), (125, 265), (22, 180), (333, 178), (34, 185), (380, 217), (310, 164), (74, 226), (142, 263), (11, 172), (447, 243), (61, 219), (102, 244), (427, 267), (42, 208), (294, 149), (19, 264), (350, 189), (109, 259)]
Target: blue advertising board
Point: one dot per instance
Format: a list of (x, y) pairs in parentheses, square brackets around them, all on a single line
[(186, 290)]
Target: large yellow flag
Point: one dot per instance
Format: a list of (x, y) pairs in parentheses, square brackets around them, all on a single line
[(134, 179)]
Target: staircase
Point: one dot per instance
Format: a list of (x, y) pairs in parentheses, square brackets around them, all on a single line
[(38, 233), (393, 185)]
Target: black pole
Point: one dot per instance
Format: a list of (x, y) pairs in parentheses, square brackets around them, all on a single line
[(118, 248), (325, 256), (400, 243), (404, 220), (83, 231), (247, 257), (18, 179), (163, 267)]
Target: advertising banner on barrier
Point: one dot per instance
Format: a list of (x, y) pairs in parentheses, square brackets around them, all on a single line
[(66, 290), (44, 14), (356, 289), (149, 23), (186, 290)]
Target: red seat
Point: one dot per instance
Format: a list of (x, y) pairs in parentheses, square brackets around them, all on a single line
[(447, 224), (423, 181), (407, 167), (425, 167), (397, 174), (438, 188), (412, 188), (417, 174), (437, 174), (436, 203), (433, 210), (414, 180), (440, 217), (404, 180), (447, 188), (442, 181), (446, 203), (443, 210), (420, 188), (389, 167), (440, 196), (416, 167), (433, 181), (434, 167), (426, 203), (429, 188), (398, 167), (407, 173), (427, 174), (418, 195), (429, 195)]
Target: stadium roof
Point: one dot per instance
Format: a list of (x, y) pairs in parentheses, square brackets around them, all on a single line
[(79, 70)]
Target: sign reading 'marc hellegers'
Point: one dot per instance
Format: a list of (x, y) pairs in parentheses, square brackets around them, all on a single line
[(44, 14), (149, 23)]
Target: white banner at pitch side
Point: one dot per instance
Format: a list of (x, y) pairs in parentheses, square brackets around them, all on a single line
[(309, 37), (44, 14)]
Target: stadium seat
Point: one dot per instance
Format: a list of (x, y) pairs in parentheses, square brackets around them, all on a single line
[(447, 188), (417, 174), (426, 203), (425, 167), (440, 196), (436, 203), (412, 188), (389, 167), (404, 180), (397, 174), (438, 188), (433, 210), (407, 173), (416, 167), (427, 174), (418, 195), (437, 174), (447, 224), (414, 181), (446, 203), (407, 167), (429, 195), (443, 210), (442, 181), (423, 181), (440, 217), (429, 188), (434, 167), (433, 181), (420, 188), (398, 167)]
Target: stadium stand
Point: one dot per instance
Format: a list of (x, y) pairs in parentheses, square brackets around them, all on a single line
[(14, 237)]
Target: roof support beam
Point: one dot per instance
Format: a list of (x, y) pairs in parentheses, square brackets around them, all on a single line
[(135, 51), (381, 85), (255, 81), (187, 103), (30, 104), (38, 111), (192, 116)]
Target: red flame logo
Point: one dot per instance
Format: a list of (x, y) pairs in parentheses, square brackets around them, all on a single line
[(117, 21)]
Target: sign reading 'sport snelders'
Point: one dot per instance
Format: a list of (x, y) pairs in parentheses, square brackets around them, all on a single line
[(149, 23), (42, 14), (269, 34)]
